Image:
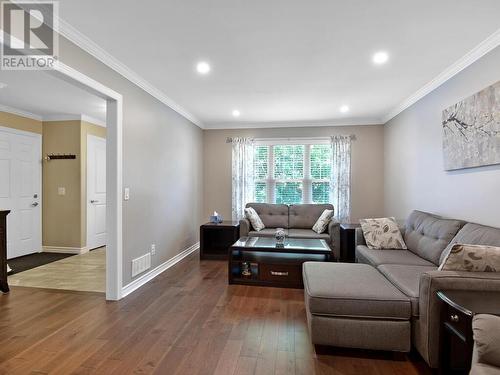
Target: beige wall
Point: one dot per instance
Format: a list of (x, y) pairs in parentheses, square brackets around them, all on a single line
[(61, 214), (367, 165), (65, 216), (12, 121), (414, 173)]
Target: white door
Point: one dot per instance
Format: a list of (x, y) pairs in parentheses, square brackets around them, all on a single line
[(21, 189), (96, 192)]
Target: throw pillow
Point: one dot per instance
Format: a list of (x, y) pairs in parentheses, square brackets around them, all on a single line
[(474, 258), (323, 221), (382, 233), (254, 219)]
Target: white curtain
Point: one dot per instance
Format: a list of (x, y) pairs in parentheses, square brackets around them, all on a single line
[(243, 177), (340, 184)]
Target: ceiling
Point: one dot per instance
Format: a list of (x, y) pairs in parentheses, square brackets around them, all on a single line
[(285, 60), (47, 97)]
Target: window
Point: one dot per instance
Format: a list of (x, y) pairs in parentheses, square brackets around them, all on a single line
[(293, 173)]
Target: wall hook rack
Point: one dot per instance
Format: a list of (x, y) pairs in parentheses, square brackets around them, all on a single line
[(50, 157)]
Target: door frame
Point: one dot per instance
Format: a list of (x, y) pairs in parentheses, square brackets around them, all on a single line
[(89, 137), (114, 173), (38, 137)]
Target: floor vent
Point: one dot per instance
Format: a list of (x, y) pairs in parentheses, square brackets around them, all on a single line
[(141, 264)]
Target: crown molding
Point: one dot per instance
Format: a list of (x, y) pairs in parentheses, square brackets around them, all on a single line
[(20, 112), (468, 59), (294, 124), (89, 46)]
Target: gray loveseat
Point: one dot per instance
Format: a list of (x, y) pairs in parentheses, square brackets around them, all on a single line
[(297, 220)]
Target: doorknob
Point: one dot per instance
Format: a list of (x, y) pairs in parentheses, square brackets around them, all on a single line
[(94, 201), (34, 204)]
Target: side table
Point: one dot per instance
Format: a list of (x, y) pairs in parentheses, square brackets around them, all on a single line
[(456, 340), (215, 239)]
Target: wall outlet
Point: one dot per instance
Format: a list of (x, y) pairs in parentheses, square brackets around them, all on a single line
[(153, 249), (61, 191)]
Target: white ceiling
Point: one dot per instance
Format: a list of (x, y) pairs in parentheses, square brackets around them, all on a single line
[(285, 60), (47, 97)]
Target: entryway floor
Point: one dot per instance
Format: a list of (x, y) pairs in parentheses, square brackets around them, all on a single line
[(85, 272)]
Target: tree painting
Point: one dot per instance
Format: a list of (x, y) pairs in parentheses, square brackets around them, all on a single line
[(471, 130)]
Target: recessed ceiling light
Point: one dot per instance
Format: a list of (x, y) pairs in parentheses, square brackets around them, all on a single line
[(203, 67), (344, 109), (236, 113), (380, 58)]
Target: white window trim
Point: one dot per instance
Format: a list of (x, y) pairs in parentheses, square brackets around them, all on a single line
[(307, 181)]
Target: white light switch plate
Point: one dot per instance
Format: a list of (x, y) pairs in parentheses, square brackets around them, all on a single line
[(61, 191), (126, 194)]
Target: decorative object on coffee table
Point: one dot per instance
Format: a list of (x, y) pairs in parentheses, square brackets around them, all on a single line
[(4, 286), (347, 242), (280, 236), (215, 239), (271, 265), (459, 308)]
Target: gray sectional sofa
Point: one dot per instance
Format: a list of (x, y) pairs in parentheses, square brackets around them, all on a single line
[(297, 220), (396, 298)]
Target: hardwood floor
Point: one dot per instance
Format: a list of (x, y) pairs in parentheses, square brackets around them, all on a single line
[(186, 321)]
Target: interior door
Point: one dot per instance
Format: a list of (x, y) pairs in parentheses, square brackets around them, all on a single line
[(96, 192), (20, 190)]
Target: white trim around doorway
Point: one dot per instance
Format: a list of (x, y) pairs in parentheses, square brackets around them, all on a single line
[(114, 173)]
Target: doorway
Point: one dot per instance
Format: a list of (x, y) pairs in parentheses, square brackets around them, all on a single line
[(105, 220)]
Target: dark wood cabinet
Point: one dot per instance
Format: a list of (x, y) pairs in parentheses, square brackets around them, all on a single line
[(215, 239), (4, 286), (347, 242), (456, 339)]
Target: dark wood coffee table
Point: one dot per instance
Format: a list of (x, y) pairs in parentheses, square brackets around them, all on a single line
[(272, 265)]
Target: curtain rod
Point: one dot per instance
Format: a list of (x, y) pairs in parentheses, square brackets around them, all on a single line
[(352, 136)]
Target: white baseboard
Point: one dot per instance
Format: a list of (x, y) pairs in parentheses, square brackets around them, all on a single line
[(150, 275), (65, 250)]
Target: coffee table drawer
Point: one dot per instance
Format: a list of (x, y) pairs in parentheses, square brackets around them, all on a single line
[(287, 273)]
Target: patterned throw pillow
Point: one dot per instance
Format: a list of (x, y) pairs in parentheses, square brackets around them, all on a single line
[(254, 219), (473, 258), (323, 221), (382, 233)]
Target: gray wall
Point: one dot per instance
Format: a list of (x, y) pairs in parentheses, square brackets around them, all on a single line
[(162, 165), (414, 174), (367, 165)]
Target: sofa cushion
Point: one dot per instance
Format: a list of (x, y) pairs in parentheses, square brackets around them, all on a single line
[(378, 257), (428, 235), (352, 290), (305, 215), (474, 234), (307, 233), (272, 215), (266, 232), (406, 279)]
